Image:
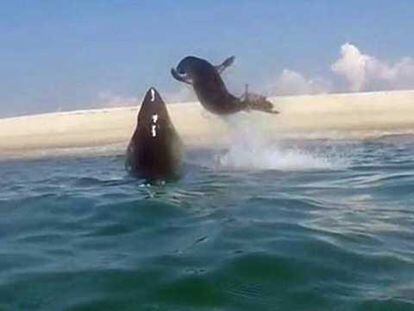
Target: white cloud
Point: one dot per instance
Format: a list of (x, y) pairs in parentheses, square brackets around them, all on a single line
[(362, 72), (352, 65), (293, 83), (367, 73)]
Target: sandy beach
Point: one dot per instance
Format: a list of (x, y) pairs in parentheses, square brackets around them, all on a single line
[(339, 116)]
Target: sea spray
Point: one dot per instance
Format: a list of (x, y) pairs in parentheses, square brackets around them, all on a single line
[(253, 146)]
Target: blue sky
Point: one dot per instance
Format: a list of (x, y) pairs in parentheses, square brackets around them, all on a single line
[(63, 55)]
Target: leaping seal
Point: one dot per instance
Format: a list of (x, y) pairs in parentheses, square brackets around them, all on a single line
[(155, 149), (211, 90)]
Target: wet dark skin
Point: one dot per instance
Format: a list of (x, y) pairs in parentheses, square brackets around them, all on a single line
[(155, 149), (211, 90)]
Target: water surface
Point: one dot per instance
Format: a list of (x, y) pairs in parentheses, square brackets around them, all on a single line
[(322, 225)]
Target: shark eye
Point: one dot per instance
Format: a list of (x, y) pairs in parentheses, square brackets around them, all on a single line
[(153, 130), (154, 119)]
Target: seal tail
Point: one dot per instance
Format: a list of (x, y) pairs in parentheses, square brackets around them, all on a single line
[(261, 105), (258, 102)]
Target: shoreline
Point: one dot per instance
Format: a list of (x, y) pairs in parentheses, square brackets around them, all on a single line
[(326, 116)]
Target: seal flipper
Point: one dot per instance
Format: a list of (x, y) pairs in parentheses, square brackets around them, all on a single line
[(154, 151), (179, 77), (227, 62)]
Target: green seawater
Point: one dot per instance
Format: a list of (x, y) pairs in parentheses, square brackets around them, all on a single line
[(322, 225)]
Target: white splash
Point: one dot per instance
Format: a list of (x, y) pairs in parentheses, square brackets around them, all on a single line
[(274, 158), (251, 148)]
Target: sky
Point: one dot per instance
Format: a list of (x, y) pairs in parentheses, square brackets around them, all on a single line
[(60, 55)]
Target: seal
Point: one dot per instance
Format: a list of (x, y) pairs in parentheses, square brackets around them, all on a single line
[(155, 149), (211, 90)]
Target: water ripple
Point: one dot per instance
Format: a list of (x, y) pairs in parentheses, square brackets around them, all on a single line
[(225, 237)]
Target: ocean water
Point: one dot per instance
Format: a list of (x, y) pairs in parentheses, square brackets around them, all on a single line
[(296, 225)]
